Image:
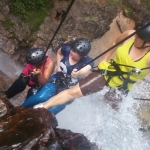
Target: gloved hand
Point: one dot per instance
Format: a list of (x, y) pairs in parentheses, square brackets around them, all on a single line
[(75, 73), (39, 106)]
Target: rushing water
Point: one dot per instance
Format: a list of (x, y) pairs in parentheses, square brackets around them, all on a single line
[(108, 128), (9, 67)]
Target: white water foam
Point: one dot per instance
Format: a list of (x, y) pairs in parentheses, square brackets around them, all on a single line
[(108, 128)]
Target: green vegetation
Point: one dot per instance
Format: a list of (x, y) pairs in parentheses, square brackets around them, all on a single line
[(128, 11), (147, 2), (115, 2), (31, 11), (8, 24), (111, 2)]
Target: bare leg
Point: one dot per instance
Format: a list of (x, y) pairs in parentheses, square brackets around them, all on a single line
[(64, 97), (94, 82)]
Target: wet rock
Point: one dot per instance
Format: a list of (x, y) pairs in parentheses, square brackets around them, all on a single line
[(25, 128), (3, 109), (31, 129), (35, 129)]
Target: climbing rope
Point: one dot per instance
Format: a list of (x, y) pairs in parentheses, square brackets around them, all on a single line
[(144, 99), (64, 16), (117, 44)]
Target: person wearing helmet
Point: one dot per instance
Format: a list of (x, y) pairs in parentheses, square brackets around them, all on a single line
[(70, 58), (120, 73), (38, 70)]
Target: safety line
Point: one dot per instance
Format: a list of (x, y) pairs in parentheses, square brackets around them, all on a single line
[(65, 15), (116, 45)]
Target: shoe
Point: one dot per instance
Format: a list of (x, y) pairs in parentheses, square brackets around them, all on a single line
[(38, 106)]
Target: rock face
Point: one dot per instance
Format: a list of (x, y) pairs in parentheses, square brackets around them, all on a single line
[(85, 19), (89, 19), (36, 129)]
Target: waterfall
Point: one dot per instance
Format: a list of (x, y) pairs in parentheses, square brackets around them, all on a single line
[(9, 67), (108, 128)]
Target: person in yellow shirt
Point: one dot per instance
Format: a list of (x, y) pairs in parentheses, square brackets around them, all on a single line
[(128, 66)]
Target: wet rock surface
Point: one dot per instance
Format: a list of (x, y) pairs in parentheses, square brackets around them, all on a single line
[(27, 129)]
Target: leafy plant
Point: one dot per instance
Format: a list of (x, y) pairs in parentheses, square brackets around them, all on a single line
[(147, 2), (8, 24), (128, 11), (31, 11)]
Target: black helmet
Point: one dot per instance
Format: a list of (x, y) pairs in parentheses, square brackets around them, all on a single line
[(144, 34), (35, 56), (81, 46)]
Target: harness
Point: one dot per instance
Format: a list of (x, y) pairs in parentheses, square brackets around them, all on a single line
[(62, 81), (118, 72), (31, 77)]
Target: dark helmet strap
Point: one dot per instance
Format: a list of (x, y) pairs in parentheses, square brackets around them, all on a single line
[(143, 46)]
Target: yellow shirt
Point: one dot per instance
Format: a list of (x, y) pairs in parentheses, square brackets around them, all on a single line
[(122, 57)]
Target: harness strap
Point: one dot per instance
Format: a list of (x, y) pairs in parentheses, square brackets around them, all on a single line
[(62, 81), (30, 77), (118, 72)]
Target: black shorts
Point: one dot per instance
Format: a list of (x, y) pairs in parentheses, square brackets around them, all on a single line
[(93, 83)]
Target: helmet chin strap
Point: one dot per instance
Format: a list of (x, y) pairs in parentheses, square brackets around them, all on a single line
[(142, 47)]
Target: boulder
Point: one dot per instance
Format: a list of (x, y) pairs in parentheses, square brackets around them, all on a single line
[(36, 129)]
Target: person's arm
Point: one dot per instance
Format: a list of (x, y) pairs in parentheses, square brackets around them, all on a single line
[(82, 72), (107, 56), (148, 64), (59, 57), (48, 70)]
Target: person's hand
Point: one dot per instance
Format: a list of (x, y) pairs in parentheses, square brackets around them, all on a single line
[(39, 106), (37, 71), (75, 73)]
